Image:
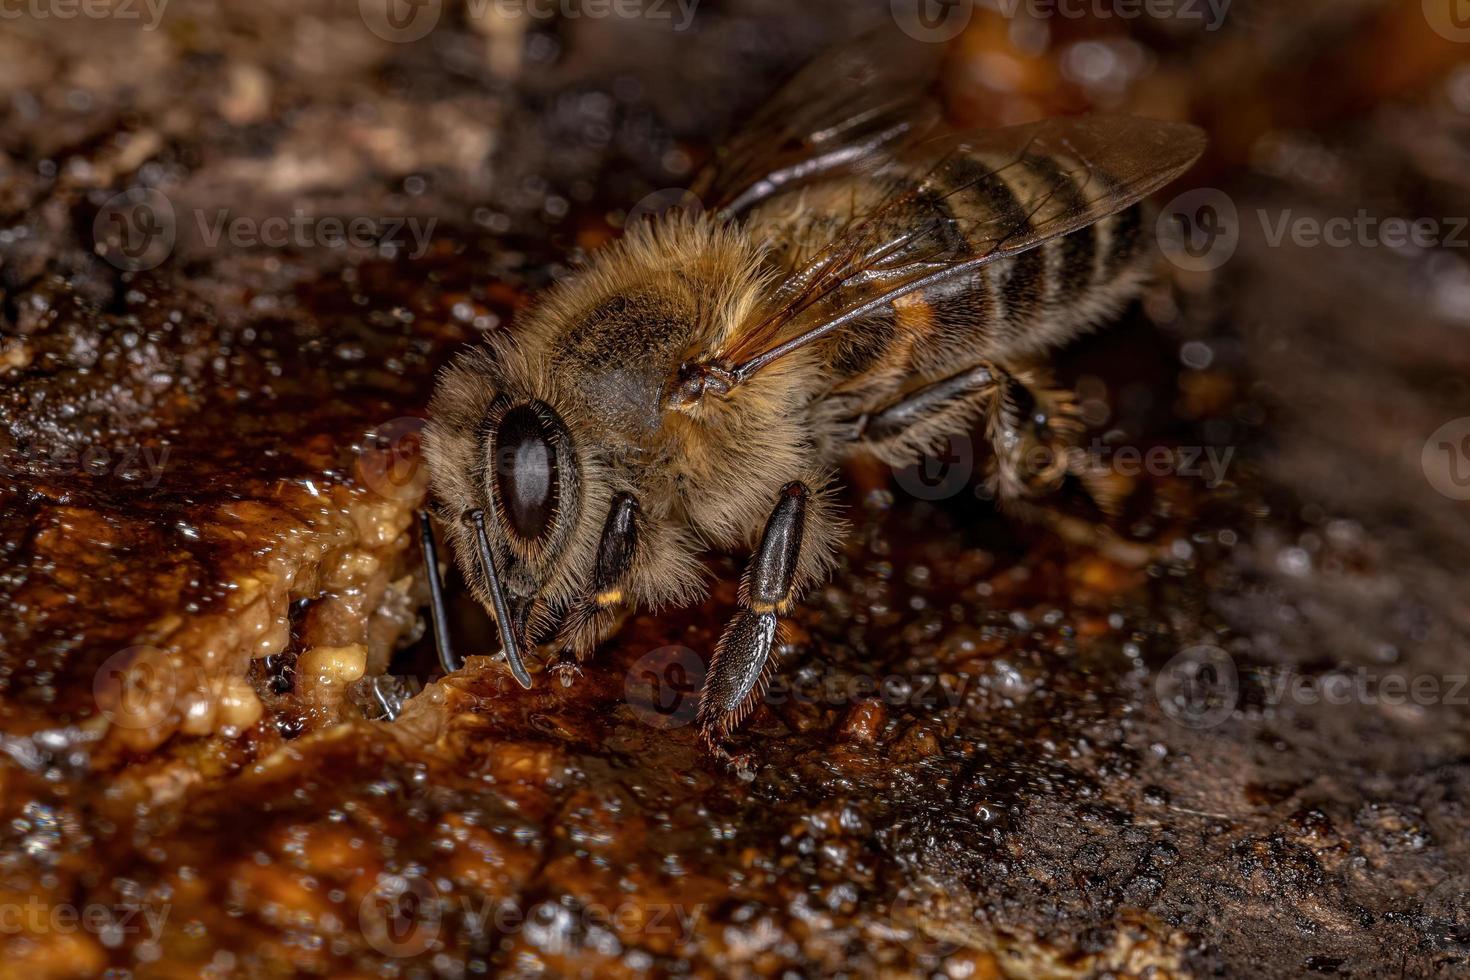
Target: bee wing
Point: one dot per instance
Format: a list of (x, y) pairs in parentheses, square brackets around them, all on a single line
[(836, 113), (953, 204)]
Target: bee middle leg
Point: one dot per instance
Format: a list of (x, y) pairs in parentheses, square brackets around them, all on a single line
[(907, 427), (744, 657)]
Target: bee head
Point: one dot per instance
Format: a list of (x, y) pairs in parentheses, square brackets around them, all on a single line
[(534, 443), (519, 497)]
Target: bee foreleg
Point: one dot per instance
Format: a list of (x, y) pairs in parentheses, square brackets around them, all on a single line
[(438, 610), (744, 657), (594, 615)]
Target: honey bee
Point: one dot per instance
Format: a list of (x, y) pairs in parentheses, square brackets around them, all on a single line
[(863, 283)]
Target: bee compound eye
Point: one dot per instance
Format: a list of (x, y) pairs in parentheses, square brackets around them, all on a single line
[(526, 471)]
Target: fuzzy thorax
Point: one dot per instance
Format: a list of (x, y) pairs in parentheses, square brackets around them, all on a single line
[(600, 349)]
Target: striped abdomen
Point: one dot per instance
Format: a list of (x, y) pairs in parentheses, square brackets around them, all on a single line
[(1025, 303), (912, 220)]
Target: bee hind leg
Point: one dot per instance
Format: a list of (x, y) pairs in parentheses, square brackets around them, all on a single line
[(1031, 424), (1035, 428), (744, 658)]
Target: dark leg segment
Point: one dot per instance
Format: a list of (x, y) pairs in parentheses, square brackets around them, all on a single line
[(438, 611), (743, 658), (1031, 425), (592, 616), (921, 406)]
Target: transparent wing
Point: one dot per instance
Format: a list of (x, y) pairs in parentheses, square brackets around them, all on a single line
[(836, 113), (952, 204)]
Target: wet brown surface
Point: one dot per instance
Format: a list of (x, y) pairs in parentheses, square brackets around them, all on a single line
[(967, 765)]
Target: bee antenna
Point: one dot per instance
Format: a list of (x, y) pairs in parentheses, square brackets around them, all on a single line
[(497, 598), (438, 610)]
